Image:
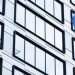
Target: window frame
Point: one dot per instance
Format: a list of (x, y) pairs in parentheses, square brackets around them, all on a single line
[(2, 34), (62, 11), (73, 39), (3, 8), (17, 33), (1, 62), (73, 70), (35, 44), (72, 11), (19, 69), (47, 21), (72, 2)]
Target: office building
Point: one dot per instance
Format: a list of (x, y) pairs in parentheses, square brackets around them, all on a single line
[(37, 37)]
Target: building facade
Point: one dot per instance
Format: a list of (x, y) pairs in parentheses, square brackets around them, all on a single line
[(37, 37)]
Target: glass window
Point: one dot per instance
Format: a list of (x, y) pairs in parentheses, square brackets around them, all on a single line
[(2, 7), (51, 7), (57, 7), (50, 65), (74, 71), (40, 59), (19, 47), (59, 68), (1, 34), (68, 42), (29, 53), (1, 62), (73, 47), (58, 39), (20, 14), (40, 3), (30, 21), (50, 33), (73, 20), (36, 56), (1, 4), (17, 71), (27, 18), (40, 30)]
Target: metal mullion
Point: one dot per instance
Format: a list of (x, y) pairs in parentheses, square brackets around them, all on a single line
[(24, 40)]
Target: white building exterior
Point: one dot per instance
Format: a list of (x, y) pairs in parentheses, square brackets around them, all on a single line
[(36, 37)]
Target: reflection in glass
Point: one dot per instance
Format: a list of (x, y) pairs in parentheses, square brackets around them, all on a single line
[(73, 20), (59, 68), (50, 65), (19, 46), (20, 14), (40, 27), (1, 3), (58, 39), (74, 49), (40, 3), (40, 59), (50, 33), (49, 6), (30, 21), (29, 52), (57, 8)]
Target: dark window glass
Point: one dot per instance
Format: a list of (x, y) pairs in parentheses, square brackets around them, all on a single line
[(2, 7), (73, 48), (1, 34), (1, 60), (74, 71), (73, 20)]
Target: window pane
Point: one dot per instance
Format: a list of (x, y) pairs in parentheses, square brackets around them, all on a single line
[(1, 3), (33, 0), (29, 52), (57, 8), (74, 49), (40, 3), (58, 39), (0, 32), (68, 41), (19, 47), (49, 6), (40, 27), (40, 59), (50, 65), (20, 14), (73, 20), (50, 33), (1, 62), (30, 21), (59, 67)]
